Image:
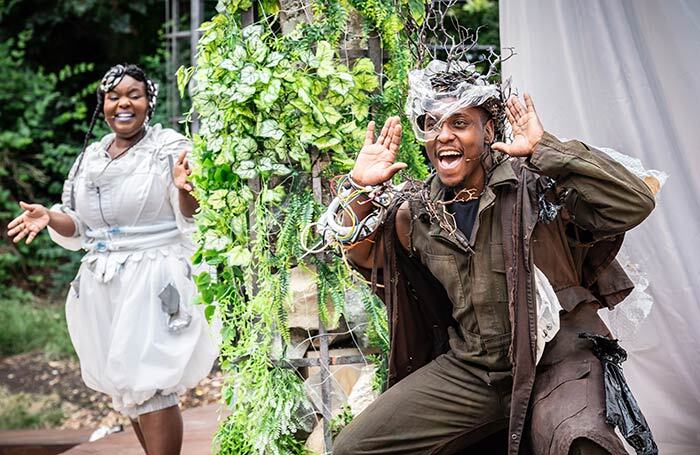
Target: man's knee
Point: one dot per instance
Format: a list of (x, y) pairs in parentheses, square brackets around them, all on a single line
[(345, 443), (584, 446)]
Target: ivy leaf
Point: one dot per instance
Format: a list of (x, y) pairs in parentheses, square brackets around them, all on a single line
[(280, 169), (417, 10), (249, 75), (341, 83), (330, 114), (270, 128), (217, 199), (245, 148), (273, 59), (238, 256), (324, 55), (246, 170), (366, 82), (327, 141), (202, 279), (257, 49), (348, 128), (238, 54), (264, 75), (363, 66), (228, 64), (252, 31), (268, 96), (242, 92), (360, 110), (209, 312), (274, 196), (183, 78), (215, 242)]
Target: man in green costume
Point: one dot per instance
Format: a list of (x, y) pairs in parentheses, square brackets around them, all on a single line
[(490, 270)]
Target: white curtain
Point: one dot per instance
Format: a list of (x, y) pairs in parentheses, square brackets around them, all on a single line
[(625, 74)]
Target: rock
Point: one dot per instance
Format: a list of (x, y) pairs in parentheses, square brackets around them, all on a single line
[(362, 394), (343, 375), (312, 385), (314, 444), (307, 419), (303, 310), (356, 317), (295, 349)]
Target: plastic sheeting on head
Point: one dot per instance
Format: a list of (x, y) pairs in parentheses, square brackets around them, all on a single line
[(428, 107)]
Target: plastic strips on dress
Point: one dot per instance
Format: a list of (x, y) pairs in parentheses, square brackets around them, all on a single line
[(178, 318), (441, 89)]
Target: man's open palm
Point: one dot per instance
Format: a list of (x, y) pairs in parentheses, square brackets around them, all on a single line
[(375, 163), (527, 128)]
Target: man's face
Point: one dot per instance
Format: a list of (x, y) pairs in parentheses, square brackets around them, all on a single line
[(457, 143), (126, 106)]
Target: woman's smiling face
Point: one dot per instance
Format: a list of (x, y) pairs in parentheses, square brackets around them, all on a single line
[(126, 106), (457, 142)]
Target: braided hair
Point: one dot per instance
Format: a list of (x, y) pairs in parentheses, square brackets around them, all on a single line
[(111, 79)]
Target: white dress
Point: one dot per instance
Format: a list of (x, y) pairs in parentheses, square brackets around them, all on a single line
[(129, 310)]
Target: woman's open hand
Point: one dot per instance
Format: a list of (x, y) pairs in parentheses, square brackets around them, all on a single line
[(375, 163), (181, 172), (34, 218)]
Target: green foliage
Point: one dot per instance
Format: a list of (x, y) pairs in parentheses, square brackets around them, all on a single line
[(384, 17), (23, 410), (38, 126), (341, 420), (275, 110), (28, 325)]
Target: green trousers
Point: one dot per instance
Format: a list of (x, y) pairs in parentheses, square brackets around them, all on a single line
[(444, 408)]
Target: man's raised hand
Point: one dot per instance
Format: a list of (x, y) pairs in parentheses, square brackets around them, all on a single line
[(375, 163), (527, 128)]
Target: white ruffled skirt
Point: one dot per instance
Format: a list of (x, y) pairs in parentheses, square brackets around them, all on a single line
[(121, 332)]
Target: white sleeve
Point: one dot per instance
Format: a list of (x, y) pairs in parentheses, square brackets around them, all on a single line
[(69, 188)]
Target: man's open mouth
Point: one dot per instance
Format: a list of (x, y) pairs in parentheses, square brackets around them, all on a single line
[(449, 158)]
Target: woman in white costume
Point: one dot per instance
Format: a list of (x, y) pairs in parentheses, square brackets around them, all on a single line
[(130, 316)]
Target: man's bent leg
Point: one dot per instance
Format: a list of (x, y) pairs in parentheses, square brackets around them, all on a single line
[(426, 412), (568, 399), (583, 446)]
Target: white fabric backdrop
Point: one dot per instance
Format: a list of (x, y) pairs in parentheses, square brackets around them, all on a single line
[(626, 74)]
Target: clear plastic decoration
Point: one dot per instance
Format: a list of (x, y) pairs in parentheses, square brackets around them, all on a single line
[(628, 316), (653, 178), (428, 107)]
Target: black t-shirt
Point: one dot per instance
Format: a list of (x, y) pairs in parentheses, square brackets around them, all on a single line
[(465, 215)]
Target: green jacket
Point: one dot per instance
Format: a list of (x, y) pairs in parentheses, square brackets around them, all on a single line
[(600, 199)]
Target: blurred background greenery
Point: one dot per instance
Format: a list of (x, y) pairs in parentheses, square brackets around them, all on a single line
[(52, 55)]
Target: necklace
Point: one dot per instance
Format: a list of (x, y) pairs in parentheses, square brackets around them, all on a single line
[(143, 134), (123, 152)]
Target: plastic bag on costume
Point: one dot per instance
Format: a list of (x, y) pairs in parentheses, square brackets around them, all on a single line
[(621, 408)]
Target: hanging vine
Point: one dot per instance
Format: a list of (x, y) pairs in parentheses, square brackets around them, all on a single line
[(267, 104)]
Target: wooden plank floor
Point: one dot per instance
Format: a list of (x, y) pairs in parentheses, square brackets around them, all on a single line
[(40, 442), (200, 425)]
